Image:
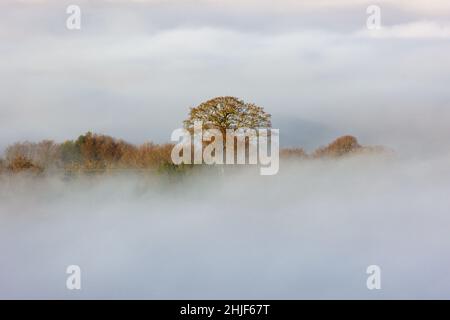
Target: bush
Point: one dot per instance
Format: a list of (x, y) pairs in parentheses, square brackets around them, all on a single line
[(70, 153), (170, 168), (44, 154), (339, 147), (2, 165), (94, 152), (151, 155), (20, 163), (293, 153)]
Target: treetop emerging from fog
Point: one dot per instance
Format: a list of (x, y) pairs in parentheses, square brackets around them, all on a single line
[(228, 113)]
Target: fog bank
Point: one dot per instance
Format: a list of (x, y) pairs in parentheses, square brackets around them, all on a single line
[(308, 232)]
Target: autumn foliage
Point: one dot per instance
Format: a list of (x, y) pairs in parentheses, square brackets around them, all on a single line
[(20, 163), (90, 152), (101, 153), (339, 147), (292, 153), (228, 113)]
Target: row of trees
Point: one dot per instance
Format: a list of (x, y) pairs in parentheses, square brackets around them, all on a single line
[(88, 152), (100, 152), (94, 152)]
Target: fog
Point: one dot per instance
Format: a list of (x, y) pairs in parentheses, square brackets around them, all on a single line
[(309, 232)]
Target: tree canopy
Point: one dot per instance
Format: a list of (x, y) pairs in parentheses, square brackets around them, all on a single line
[(228, 113)]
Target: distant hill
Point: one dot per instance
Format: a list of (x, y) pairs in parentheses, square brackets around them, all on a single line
[(296, 132)]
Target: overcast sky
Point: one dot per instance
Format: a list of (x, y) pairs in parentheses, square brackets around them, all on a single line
[(135, 68)]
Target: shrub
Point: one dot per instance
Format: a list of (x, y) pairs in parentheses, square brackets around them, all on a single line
[(44, 154), (20, 163), (70, 152), (293, 153), (339, 147), (151, 155)]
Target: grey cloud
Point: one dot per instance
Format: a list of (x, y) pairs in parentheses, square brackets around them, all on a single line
[(134, 73)]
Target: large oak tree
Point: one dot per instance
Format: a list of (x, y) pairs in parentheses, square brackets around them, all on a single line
[(228, 113)]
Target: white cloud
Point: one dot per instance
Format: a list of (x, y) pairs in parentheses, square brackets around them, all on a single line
[(438, 7), (417, 29)]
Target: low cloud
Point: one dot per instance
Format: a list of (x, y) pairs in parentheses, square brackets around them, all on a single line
[(413, 30), (309, 232)]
